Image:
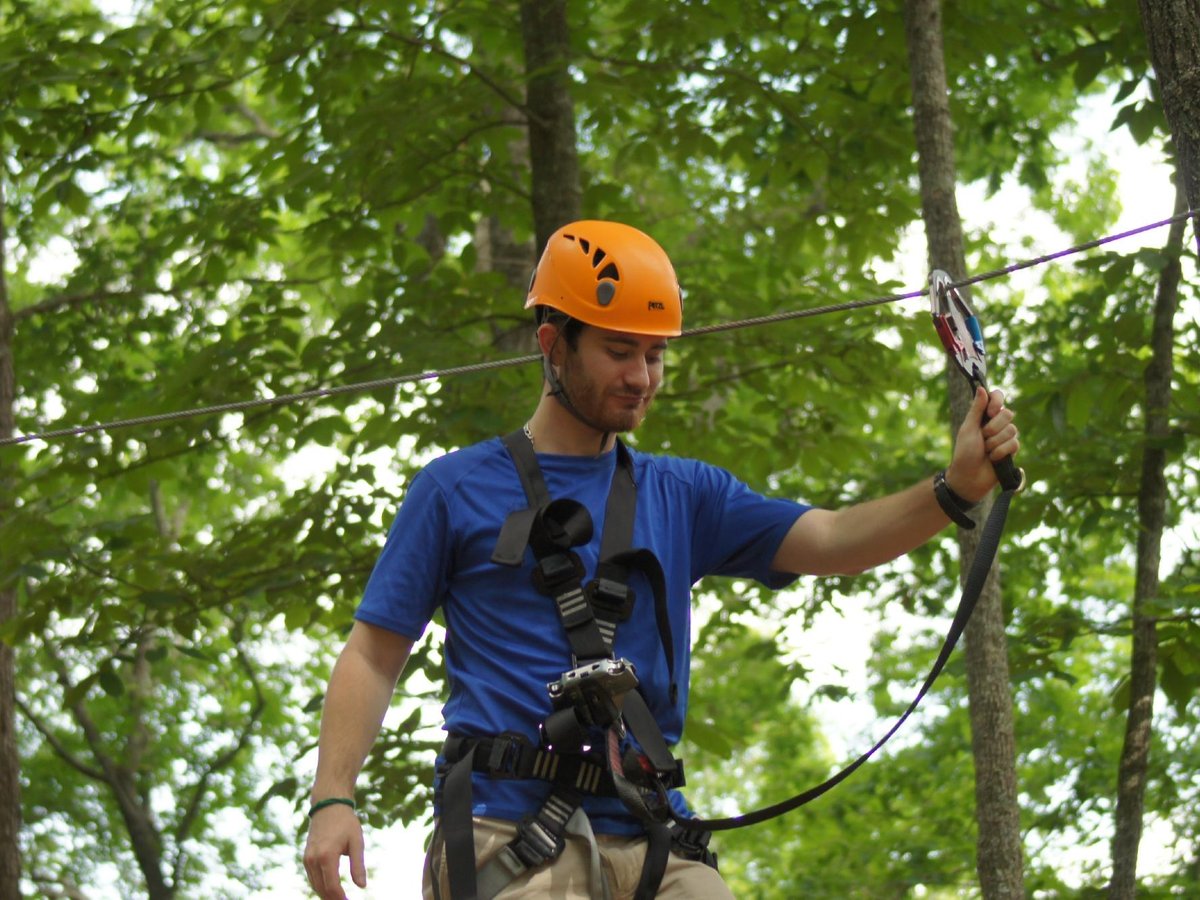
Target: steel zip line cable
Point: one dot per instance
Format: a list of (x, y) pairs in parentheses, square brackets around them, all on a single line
[(360, 387)]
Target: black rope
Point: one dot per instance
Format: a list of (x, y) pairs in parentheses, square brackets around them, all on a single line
[(241, 405), (981, 565), (754, 322)]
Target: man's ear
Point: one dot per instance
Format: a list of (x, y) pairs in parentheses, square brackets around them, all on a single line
[(549, 337)]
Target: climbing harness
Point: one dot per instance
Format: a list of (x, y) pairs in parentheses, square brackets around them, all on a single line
[(600, 737)]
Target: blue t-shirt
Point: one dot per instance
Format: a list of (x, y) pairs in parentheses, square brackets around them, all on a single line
[(504, 640)]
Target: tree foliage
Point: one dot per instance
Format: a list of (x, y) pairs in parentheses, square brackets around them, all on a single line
[(208, 204)]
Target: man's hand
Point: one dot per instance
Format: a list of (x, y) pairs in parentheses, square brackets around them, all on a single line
[(971, 474), (334, 832), (360, 688)]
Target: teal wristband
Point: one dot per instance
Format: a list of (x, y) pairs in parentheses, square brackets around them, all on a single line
[(330, 801)]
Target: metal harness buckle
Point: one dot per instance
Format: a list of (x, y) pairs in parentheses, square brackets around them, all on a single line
[(535, 843), (504, 759)]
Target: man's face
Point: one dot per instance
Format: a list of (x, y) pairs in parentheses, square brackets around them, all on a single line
[(612, 376)]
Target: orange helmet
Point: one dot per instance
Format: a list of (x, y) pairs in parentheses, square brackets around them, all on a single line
[(609, 275)]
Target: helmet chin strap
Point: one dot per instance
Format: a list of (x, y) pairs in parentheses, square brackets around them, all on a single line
[(559, 392)]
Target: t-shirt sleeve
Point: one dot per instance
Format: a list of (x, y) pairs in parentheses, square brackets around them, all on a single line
[(410, 575), (738, 531)]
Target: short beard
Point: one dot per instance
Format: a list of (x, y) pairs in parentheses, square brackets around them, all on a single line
[(588, 399)]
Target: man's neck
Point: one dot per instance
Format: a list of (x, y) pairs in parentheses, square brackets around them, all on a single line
[(554, 430)]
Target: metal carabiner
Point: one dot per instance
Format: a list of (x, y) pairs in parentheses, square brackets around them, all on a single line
[(958, 327)]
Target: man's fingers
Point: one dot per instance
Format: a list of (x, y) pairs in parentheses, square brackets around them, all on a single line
[(335, 835), (1004, 441), (358, 864), (332, 883), (995, 403), (999, 424), (316, 877), (323, 876), (979, 404)]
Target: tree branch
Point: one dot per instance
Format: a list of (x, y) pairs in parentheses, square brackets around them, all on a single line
[(260, 128), (61, 301), (223, 760), (469, 67), (79, 712), (57, 746)]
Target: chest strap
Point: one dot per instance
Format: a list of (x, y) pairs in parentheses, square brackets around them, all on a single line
[(599, 692), (551, 528)]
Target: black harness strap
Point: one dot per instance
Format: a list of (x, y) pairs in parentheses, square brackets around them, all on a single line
[(658, 852), (460, 842), (514, 535), (612, 575), (513, 756), (649, 736), (985, 553)]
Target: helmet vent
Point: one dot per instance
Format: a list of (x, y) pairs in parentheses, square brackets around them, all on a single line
[(605, 289)]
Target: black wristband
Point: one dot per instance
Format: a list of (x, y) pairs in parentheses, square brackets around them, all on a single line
[(952, 505)]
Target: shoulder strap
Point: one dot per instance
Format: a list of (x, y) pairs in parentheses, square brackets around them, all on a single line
[(608, 593), (620, 511), (514, 535), (521, 449)]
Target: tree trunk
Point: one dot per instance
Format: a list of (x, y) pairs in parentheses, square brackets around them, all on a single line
[(10, 765), (1173, 33), (554, 161), (998, 853), (1152, 506), (144, 836)]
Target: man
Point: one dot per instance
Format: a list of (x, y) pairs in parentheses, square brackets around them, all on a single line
[(563, 563)]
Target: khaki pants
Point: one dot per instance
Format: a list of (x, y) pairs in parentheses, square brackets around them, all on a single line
[(567, 877)]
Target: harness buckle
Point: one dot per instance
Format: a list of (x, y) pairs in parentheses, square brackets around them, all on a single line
[(640, 769), (614, 598), (612, 676), (504, 759), (692, 843), (535, 843), (556, 569)]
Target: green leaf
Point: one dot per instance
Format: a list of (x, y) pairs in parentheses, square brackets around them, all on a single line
[(159, 598), (194, 652), (111, 682), (710, 737)]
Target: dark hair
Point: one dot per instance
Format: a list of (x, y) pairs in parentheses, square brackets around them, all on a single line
[(568, 327)]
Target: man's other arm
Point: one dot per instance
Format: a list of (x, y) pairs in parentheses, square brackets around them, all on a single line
[(856, 538), (360, 691)]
